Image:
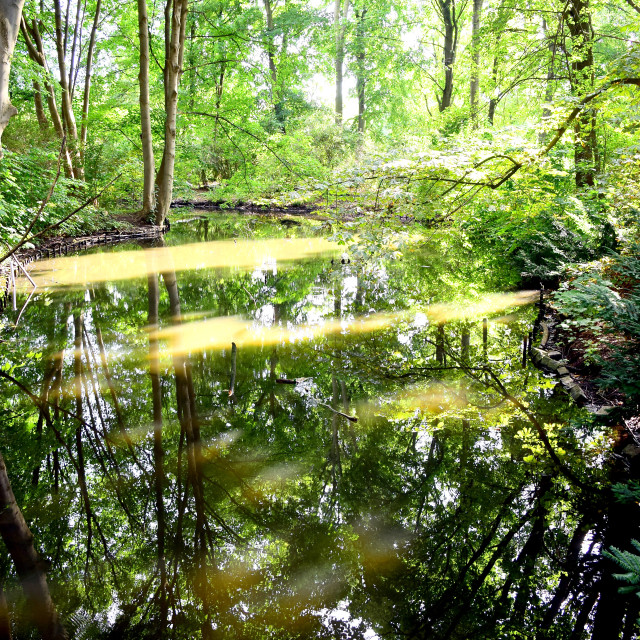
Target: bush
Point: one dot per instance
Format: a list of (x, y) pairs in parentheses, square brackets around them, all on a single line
[(605, 300)]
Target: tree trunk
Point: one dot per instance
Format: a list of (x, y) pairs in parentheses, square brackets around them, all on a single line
[(35, 47), (19, 542), (148, 189), (276, 97), (78, 321), (361, 81), (450, 23), (441, 357), (10, 15), (493, 102), (73, 63), (175, 31), (578, 19), (474, 85), (40, 114), (68, 117), (87, 80), (340, 19), (158, 453)]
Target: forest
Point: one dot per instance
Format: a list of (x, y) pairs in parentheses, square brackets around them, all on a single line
[(320, 319)]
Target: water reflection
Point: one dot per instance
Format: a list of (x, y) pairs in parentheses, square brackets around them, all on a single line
[(181, 489), (228, 254)]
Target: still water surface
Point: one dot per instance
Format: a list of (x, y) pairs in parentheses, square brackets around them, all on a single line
[(252, 439)]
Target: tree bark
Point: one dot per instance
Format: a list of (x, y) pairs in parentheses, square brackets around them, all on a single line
[(148, 189), (10, 16), (40, 114), (340, 18), (276, 97), (578, 19), (447, 9), (19, 542), (35, 47), (361, 80), (158, 453), (175, 33), (78, 321), (68, 117), (474, 85), (87, 80)]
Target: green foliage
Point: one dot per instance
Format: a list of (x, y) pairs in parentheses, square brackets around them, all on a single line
[(630, 562), (605, 300)]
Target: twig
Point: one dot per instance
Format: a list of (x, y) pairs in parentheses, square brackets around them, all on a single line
[(55, 225)]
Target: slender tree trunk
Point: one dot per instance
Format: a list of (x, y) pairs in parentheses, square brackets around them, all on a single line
[(175, 32), (447, 10), (578, 19), (474, 85), (77, 371), (361, 81), (148, 189), (158, 453), (35, 47), (493, 102), (569, 575), (19, 543), (340, 20), (10, 16), (43, 123), (276, 97), (87, 80), (68, 117), (441, 357), (77, 35)]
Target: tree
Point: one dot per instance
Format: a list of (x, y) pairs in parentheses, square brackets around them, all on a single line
[(581, 74), (72, 58), (175, 27), (19, 542), (474, 85), (10, 16), (450, 15), (340, 23), (148, 187)]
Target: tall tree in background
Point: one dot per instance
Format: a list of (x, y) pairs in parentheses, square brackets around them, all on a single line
[(10, 14), (450, 16), (340, 21), (474, 85), (581, 74), (175, 26), (72, 61), (148, 188), (276, 89), (361, 56)]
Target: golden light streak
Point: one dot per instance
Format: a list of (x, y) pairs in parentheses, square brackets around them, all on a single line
[(488, 304), (126, 265), (218, 333)]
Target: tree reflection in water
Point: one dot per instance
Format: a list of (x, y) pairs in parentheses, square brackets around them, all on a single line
[(187, 493)]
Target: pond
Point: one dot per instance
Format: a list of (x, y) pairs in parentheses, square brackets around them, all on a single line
[(245, 433)]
